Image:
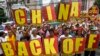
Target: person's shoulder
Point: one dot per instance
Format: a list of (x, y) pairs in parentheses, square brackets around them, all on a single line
[(38, 36), (62, 36), (70, 36), (1, 37)]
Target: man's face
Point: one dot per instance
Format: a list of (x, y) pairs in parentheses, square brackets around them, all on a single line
[(67, 31)]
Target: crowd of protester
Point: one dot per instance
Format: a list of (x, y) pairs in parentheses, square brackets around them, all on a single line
[(70, 29)]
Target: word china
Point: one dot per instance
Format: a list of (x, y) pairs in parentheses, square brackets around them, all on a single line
[(47, 13)]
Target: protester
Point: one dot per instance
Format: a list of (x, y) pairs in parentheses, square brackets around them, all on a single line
[(77, 28), (33, 34), (25, 37), (65, 35), (2, 39), (52, 33), (10, 37), (19, 33)]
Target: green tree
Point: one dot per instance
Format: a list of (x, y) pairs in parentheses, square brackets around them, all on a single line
[(97, 2), (1, 12), (3, 17)]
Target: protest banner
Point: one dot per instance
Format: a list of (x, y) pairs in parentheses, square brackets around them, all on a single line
[(49, 46), (22, 49), (36, 47), (79, 44), (48, 13), (75, 9), (67, 46), (29, 48), (63, 12), (92, 41), (20, 16), (8, 49), (36, 17), (73, 45), (94, 10)]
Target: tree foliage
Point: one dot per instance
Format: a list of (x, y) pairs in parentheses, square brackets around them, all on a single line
[(97, 2)]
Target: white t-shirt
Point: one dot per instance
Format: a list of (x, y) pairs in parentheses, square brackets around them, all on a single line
[(18, 35), (63, 36), (33, 37), (1, 40)]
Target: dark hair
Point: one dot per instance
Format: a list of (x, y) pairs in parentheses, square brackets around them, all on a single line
[(66, 28), (1, 33), (51, 30), (77, 25), (82, 35), (27, 38)]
